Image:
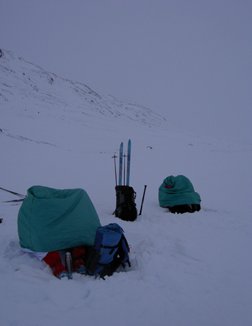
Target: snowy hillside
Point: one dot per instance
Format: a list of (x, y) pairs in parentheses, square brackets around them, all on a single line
[(187, 270), (41, 92)]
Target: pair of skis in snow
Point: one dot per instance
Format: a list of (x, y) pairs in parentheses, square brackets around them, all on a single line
[(124, 165), (124, 169)]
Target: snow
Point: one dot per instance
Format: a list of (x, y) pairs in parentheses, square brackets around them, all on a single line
[(187, 270)]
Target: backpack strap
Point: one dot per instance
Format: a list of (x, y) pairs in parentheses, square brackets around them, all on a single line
[(123, 251)]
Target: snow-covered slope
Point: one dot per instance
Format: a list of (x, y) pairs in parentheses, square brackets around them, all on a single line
[(40, 92), (187, 270)]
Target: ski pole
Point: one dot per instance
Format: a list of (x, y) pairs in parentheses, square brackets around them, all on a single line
[(124, 169), (120, 164), (114, 157), (142, 200), (12, 192), (14, 200)]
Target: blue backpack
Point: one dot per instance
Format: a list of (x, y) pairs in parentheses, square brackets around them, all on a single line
[(110, 251)]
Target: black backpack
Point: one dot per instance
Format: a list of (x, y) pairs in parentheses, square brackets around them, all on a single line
[(125, 203), (110, 251)]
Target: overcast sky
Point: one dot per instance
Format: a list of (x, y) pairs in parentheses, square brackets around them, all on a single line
[(184, 58)]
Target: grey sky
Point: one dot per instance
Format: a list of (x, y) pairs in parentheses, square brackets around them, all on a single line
[(191, 60)]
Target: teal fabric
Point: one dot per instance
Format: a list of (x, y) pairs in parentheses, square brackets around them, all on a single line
[(52, 219), (177, 190)]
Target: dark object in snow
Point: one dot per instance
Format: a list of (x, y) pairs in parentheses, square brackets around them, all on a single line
[(180, 209), (141, 208), (1, 219), (1, 53), (125, 203)]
